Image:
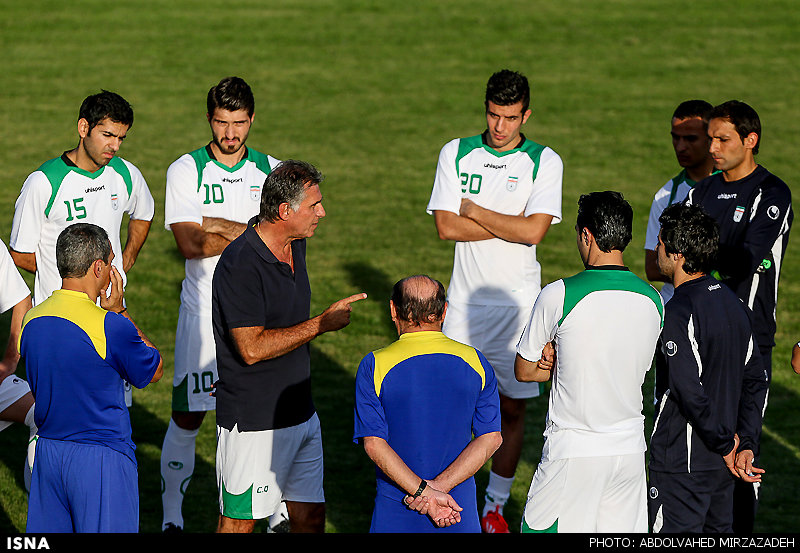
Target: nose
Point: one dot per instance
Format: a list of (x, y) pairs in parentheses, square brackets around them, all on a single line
[(320, 211)]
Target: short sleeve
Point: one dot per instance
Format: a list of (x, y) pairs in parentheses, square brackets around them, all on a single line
[(487, 410), (546, 193), (446, 194), (181, 204), (141, 205), (660, 201), (26, 227), (543, 322), (369, 418)]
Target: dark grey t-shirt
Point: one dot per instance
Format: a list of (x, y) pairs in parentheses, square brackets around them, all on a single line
[(252, 288)]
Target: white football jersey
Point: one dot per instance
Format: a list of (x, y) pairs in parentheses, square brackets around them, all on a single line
[(199, 186), (604, 323), (59, 194), (526, 180)]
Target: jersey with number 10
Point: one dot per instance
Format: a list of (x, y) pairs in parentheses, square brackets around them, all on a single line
[(199, 186), (59, 194), (524, 180)]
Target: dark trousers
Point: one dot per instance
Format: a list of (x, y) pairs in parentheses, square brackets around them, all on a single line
[(696, 502), (745, 495)]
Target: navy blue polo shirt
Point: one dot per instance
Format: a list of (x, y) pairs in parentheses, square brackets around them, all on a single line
[(251, 288)]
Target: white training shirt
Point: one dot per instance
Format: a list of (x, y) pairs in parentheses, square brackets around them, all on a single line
[(605, 323), (199, 186), (524, 180), (12, 286), (59, 194), (675, 191)]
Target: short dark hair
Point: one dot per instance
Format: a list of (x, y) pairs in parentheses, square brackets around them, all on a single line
[(104, 105), (609, 217), (286, 184), (693, 108), (691, 232), (231, 94), (414, 303), (506, 88), (78, 246), (743, 117)]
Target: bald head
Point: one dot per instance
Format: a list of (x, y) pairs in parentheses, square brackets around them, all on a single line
[(419, 300)]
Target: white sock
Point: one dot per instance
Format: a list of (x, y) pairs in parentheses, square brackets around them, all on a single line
[(177, 467), (32, 438), (497, 492)]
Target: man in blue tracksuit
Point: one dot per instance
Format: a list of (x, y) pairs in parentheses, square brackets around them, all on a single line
[(712, 393), (753, 208)]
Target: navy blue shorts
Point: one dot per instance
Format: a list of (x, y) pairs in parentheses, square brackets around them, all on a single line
[(82, 488)]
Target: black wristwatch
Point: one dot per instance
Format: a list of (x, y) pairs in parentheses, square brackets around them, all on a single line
[(422, 486)]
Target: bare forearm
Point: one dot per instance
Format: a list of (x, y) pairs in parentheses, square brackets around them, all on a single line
[(25, 261), (461, 229), (259, 344), (529, 371), (229, 230), (474, 456), (194, 242), (138, 229), (511, 228), (391, 464)]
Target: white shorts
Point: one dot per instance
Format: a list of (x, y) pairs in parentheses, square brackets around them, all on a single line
[(588, 495), (12, 388), (257, 470), (494, 330), (195, 364)]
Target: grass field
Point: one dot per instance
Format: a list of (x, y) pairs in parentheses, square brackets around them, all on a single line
[(369, 92)]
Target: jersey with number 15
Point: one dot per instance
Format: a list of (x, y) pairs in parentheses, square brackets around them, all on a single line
[(59, 194)]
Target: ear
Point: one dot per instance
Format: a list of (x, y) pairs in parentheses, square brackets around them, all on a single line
[(284, 210), (750, 140), (97, 268), (392, 310), (83, 128), (525, 116)]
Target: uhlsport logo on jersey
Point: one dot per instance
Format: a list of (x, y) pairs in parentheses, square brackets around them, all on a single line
[(671, 348), (737, 215), (255, 192), (773, 212), (511, 185)]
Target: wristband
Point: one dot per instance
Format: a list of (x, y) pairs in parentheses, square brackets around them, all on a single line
[(422, 486)]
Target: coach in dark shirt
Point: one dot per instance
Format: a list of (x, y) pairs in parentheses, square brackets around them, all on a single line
[(269, 446), (712, 392)]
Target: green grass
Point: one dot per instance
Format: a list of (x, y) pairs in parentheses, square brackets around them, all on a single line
[(369, 92)]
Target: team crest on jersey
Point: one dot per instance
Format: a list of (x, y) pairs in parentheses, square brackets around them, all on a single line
[(671, 348), (114, 202), (511, 185), (653, 492), (737, 215), (255, 192)]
